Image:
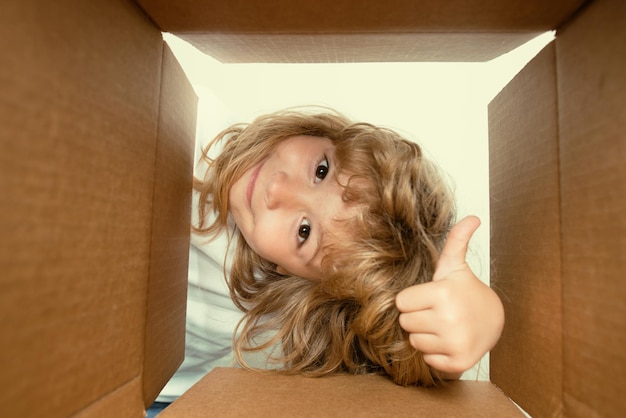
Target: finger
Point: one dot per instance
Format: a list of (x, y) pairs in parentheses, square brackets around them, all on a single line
[(418, 322), (428, 344), (455, 249), (441, 362), (416, 298)]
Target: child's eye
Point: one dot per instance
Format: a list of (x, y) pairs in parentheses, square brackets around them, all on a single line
[(322, 170), (304, 230)]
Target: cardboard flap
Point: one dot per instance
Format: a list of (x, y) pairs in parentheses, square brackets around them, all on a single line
[(357, 31), (525, 236), (80, 95), (169, 256), (356, 47), (592, 119), (235, 392)]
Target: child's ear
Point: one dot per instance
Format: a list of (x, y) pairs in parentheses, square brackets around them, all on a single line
[(282, 271)]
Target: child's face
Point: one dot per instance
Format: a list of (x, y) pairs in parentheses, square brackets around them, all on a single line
[(284, 204)]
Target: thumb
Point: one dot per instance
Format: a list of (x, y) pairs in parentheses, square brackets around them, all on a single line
[(455, 249)]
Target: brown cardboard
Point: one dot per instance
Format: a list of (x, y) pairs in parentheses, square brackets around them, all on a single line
[(236, 392), (364, 31), (525, 236), (591, 66), (171, 217), (80, 101), (558, 196), (346, 16), (95, 129), (359, 47)]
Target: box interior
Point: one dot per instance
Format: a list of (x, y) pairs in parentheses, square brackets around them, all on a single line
[(97, 140), (347, 31), (339, 395)]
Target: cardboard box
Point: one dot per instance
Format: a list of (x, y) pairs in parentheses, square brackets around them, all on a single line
[(97, 128)]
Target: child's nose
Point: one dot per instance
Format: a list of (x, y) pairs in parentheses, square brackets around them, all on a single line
[(280, 191)]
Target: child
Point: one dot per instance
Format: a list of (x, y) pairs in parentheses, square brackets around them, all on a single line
[(340, 230)]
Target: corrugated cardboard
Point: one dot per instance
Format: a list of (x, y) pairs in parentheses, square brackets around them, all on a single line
[(169, 244), (346, 16), (96, 124), (84, 165), (525, 236), (591, 71), (558, 195), (358, 31), (236, 392)]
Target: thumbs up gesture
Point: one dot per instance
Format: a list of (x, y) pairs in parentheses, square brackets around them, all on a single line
[(455, 319)]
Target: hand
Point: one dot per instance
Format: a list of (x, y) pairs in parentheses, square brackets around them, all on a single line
[(455, 319)]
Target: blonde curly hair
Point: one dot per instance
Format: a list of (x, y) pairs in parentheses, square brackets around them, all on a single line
[(347, 321)]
